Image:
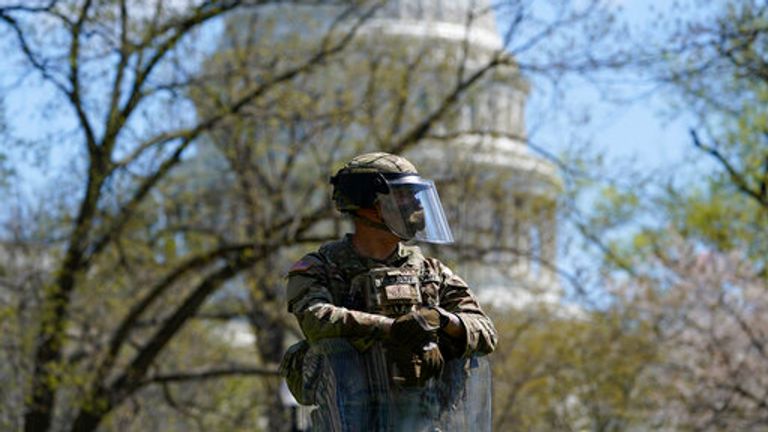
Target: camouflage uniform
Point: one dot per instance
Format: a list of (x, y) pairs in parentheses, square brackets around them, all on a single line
[(319, 296), (362, 373)]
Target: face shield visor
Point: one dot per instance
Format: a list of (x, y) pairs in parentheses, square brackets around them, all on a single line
[(412, 210)]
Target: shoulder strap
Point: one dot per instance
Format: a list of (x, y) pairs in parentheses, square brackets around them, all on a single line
[(341, 260)]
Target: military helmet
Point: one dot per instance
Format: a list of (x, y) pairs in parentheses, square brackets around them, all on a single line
[(356, 184), (408, 204)]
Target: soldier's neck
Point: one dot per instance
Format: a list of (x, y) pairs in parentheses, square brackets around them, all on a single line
[(374, 243)]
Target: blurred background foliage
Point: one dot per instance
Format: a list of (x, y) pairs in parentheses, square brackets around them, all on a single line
[(187, 149)]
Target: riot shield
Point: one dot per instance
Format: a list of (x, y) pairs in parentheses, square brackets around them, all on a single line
[(350, 388), (465, 396), (353, 392)]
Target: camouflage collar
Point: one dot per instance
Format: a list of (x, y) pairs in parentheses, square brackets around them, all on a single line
[(399, 257)]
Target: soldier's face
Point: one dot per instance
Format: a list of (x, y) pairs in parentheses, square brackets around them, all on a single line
[(411, 208)]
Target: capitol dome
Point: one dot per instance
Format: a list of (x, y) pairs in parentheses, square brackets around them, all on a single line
[(455, 11), (450, 18), (480, 142)]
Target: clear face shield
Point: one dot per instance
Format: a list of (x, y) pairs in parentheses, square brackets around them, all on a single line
[(412, 210)]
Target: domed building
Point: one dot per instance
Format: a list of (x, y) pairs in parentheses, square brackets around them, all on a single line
[(429, 79)]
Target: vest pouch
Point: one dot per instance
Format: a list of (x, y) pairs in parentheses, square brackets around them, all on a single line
[(292, 369)]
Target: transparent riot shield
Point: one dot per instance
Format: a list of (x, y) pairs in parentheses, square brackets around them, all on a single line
[(349, 388), (353, 392), (465, 396)]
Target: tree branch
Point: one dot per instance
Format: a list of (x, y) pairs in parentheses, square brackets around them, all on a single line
[(211, 373), (38, 64), (419, 131), (738, 179), (74, 78), (202, 14), (104, 398), (124, 53), (189, 135)]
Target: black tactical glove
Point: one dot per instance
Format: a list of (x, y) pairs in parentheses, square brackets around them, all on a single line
[(431, 362), (416, 328), (414, 368)]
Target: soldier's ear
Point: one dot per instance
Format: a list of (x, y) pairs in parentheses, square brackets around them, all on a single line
[(372, 214), (377, 208)]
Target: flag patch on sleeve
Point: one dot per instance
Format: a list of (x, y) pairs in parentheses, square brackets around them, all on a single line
[(301, 266)]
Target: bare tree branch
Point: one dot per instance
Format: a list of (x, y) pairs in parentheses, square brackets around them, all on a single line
[(74, 92), (189, 135), (210, 373), (420, 130), (738, 179), (38, 64)]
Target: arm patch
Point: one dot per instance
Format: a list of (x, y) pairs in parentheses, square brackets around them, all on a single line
[(301, 266), (308, 265)]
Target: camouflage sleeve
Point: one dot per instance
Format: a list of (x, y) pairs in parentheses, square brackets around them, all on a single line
[(311, 302), (456, 297)]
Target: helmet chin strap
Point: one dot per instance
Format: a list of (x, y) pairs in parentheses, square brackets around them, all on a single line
[(371, 223), (376, 225)]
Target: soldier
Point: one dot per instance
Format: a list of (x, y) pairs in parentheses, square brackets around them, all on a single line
[(393, 337)]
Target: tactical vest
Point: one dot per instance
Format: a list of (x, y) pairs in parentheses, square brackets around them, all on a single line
[(355, 285), (372, 287)]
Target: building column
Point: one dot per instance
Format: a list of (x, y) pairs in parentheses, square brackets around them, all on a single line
[(549, 241)]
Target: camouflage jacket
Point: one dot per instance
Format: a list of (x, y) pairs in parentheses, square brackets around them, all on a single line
[(319, 296)]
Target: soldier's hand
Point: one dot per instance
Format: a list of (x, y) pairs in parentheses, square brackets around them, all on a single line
[(416, 328), (431, 362), (415, 368)]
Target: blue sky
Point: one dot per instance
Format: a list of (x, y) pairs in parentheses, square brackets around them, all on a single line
[(640, 125), (645, 129)]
